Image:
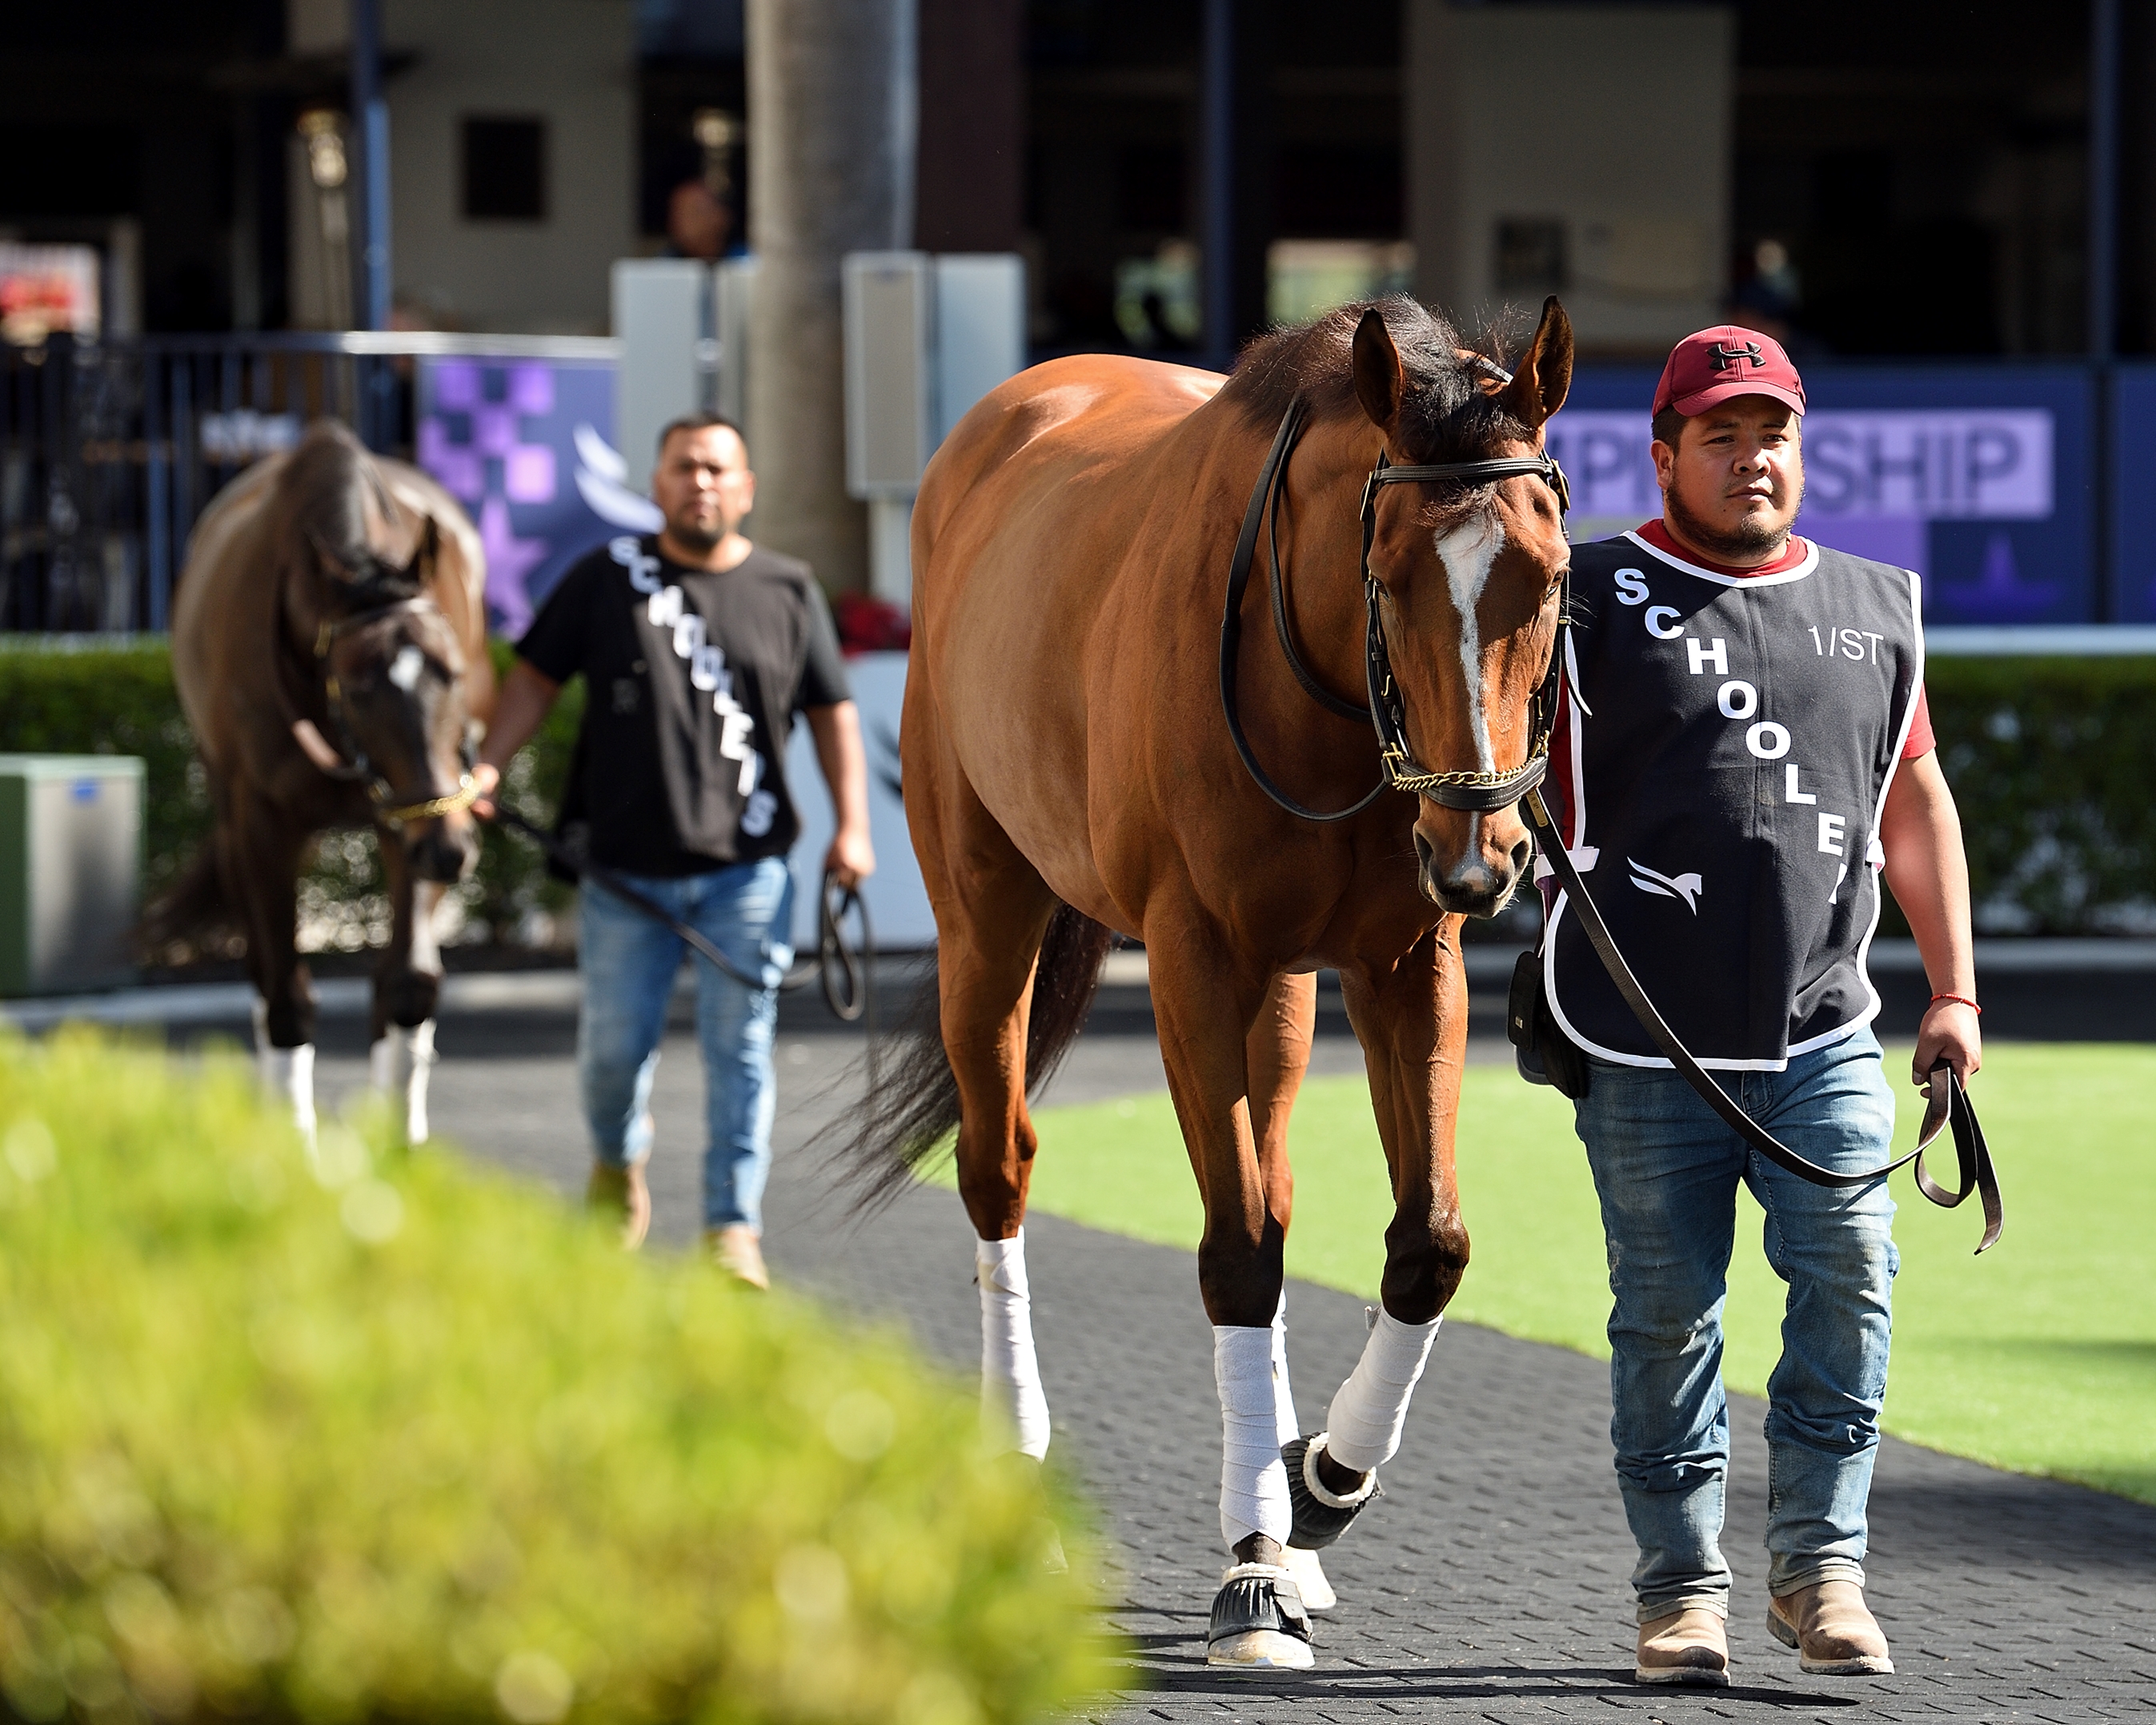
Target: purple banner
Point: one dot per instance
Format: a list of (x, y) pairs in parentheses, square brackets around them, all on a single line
[(526, 445)]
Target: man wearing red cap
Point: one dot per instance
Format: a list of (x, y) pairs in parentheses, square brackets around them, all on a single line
[(1743, 752)]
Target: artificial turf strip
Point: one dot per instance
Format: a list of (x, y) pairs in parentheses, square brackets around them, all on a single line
[(2041, 1356)]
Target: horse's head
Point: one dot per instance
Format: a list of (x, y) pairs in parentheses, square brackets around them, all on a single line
[(1470, 577), (393, 672)]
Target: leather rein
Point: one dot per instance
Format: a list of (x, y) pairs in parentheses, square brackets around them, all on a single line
[(1480, 792), (346, 760)]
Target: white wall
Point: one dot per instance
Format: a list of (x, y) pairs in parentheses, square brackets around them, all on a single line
[(1615, 120), (571, 62)]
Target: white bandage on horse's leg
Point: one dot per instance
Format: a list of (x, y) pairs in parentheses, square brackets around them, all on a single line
[(1371, 1409), (1253, 1481), (1283, 1418), (1013, 1406), (401, 1059), (288, 1074)]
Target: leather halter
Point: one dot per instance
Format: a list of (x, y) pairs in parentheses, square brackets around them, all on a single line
[(1472, 791), (349, 763)]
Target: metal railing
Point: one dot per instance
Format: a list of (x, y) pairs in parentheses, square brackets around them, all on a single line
[(110, 451)]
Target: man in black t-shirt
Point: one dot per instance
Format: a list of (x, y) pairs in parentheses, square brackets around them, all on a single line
[(696, 648)]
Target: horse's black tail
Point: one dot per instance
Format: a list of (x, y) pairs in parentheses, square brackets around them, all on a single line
[(193, 917), (907, 1120)]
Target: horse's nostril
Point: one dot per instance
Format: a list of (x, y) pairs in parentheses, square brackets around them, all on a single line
[(1522, 852), (1424, 854)]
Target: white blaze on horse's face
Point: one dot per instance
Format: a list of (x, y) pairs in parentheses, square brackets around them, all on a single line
[(1468, 550), (405, 668)]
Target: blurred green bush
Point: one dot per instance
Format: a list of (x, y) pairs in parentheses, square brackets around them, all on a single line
[(2045, 756), (356, 1436)]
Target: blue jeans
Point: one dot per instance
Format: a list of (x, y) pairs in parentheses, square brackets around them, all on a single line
[(629, 961), (1667, 1169)]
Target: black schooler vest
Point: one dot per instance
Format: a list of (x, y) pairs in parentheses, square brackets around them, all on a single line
[(1731, 741)]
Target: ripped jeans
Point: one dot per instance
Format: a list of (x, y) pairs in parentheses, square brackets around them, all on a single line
[(1668, 1170)]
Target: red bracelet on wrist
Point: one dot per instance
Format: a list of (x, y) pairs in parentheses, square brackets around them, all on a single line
[(1958, 1000)]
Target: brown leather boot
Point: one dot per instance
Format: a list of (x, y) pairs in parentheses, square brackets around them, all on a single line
[(621, 1191), (1833, 1630), (1689, 1647), (736, 1249)]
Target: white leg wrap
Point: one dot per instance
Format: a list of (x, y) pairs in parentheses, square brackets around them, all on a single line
[(288, 1074), (1253, 1481), (1013, 1406), (1283, 1418), (1371, 1409), (402, 1060)]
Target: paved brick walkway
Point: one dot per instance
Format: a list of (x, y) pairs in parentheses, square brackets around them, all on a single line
[(1489, 1583)]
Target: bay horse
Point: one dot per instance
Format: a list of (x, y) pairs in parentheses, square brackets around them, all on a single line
[(329, 645), (1068, 772)]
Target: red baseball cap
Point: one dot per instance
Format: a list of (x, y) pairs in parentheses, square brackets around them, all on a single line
[(1720, 364)]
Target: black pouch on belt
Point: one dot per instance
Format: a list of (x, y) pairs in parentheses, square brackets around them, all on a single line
[(1543, 1053)]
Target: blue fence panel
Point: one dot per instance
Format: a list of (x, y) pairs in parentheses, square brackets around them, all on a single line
[(526, 445), (1978, 477)]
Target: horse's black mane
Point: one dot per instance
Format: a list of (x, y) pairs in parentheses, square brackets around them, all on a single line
[(323, 493), (1444, 417)]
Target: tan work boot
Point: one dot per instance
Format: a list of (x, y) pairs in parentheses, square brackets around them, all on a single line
[(621, 1191), (1833, 1630), (736, 1249), (1690, 1648)]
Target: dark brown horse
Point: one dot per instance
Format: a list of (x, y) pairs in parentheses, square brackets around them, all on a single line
[(329, 642), (1068, 772)]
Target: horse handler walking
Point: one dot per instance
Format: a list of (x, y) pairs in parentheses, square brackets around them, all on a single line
[(696, 648), (1744, 752)]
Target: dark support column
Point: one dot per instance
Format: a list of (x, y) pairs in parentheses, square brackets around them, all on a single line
[(1216, 97), (970, 173), (370, 122), (2102, 253)]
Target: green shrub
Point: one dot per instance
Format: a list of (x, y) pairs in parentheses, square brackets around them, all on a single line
[(2044, 756), (2049, 761), (356, 1436), (73, 694)]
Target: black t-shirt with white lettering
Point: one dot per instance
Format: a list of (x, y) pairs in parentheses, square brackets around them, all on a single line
[(692, 681)]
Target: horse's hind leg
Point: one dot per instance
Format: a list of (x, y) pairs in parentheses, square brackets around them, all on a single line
[(992, 910), (408, 985)]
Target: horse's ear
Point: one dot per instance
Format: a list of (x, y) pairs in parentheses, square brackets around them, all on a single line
[(1544, 377), (1380, 380)]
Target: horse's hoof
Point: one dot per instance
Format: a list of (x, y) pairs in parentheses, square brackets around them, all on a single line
[(1317, 1594), (1321, 1514), (1259, 1622)]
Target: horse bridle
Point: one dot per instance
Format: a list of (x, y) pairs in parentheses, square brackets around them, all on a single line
[(353, 765), (1473, 792)]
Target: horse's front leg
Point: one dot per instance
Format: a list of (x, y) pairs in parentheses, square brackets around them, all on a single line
[(1210, 1014), (407, 986), (1412, 1019), (261, 860)]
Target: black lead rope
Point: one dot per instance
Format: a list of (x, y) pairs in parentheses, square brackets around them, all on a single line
[(1948, 1105), (843, 971)]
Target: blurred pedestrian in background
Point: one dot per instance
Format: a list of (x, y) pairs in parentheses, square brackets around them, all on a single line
[(696, 648)]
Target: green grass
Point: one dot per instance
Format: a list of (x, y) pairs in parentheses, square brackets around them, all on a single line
[(2041, 1356)]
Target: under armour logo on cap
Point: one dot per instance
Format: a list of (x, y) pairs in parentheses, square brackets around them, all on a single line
[(1719, 364)]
